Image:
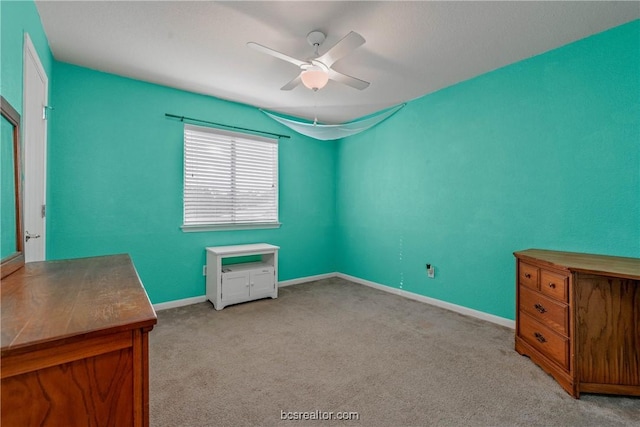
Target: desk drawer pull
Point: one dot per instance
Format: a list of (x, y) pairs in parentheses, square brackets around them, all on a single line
[(540, 308), (527, 275), (552, 285), (540, 337)]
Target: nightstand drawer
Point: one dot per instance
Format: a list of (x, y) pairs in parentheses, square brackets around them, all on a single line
[(528, 275), (555, 285), (545, 310), (547, 342)]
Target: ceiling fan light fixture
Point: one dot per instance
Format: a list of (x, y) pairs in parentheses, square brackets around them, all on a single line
[(315, 72), (314, 78)]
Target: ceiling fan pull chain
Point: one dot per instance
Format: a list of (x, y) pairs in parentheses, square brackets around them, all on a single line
[(315, 108)]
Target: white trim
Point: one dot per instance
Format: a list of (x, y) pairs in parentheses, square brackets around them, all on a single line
[(179, 303), (432, 301), (196, 300), (229, 227), (31, 49), (416, 297), (299, 280), (29, 52), (230, 133)]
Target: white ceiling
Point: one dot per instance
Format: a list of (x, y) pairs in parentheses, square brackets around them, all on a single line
[(411, 49)]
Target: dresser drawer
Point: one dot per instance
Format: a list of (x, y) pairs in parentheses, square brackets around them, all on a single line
[(528, 275), (545, 310), (555, 285), (547, 342)]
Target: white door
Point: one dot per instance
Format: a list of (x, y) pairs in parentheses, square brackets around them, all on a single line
[(34, 131), (235, 286), (262, 282)]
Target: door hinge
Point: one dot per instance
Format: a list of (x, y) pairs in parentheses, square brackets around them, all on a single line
[(45, 111), (44, 211)]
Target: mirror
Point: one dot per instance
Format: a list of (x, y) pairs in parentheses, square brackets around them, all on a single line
[(11, 248)]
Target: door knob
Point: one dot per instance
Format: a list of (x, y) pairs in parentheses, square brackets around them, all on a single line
[(31, 236)]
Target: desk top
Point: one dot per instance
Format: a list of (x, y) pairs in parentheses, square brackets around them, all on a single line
[(605, 265), (52, 302)]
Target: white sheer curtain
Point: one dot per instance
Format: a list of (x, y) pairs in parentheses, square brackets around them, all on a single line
[(330, 132)]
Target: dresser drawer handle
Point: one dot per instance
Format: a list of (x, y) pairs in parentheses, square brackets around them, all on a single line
[(540, 308), (540, 337), (552, 285), (527, 275)]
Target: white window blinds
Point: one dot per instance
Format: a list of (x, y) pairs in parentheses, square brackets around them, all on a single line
[(229, 178)]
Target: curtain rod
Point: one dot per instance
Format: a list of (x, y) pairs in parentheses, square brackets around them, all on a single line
[(183, 118)]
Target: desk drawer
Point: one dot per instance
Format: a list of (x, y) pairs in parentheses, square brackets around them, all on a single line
[(528, 275), (545, 310), (555, 285), (547, 342)]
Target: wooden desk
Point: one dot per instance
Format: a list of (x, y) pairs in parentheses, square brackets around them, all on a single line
[(74, 344), (578, 319)]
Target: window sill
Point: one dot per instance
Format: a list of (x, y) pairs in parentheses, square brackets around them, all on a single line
[(229, 227)]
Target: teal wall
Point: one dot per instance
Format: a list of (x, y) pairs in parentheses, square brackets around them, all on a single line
[(544, 153), (17, 18), (115, 171)]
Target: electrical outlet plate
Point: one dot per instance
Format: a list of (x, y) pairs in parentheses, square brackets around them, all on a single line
[(431, 271)]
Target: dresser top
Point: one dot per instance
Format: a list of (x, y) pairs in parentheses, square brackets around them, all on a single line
[(46, 302), (586, 263)]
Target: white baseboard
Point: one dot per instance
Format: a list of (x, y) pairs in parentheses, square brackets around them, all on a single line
[(195, 300), (436, 302), (290, 282), (179, 303), (421, 298)]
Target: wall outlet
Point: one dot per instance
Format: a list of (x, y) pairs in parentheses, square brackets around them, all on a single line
[(431, 271), (204, 270)]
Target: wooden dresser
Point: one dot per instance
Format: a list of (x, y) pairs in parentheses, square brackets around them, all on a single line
[(578, 318), (74, 344)]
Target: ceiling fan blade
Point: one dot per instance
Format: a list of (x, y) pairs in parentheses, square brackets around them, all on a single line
[(277, 54), (342, 48), (347, 80), (293, 83)]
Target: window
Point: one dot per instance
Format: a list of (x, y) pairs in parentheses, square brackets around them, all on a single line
[(230, 180)]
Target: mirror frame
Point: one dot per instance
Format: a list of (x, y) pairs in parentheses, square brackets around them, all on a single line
[(14, 261)]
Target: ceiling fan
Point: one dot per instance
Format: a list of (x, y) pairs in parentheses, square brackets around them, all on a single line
[(316, 72)]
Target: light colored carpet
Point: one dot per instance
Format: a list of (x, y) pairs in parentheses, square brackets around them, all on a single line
[(336, 346)]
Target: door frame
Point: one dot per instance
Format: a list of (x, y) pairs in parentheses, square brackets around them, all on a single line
[(30, 53)]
